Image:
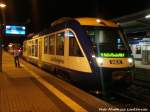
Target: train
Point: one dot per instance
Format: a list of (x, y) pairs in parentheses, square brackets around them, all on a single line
[(92, 52)]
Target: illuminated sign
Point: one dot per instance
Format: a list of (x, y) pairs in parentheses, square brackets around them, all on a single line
[(117, 55), (15, 30)]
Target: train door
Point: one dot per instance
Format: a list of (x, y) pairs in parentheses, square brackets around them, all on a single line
[(40, 53)]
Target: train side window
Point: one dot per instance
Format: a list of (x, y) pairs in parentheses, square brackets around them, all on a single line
[(52, 44), (24, 46), (46, 42), (36, 48), (29, 51), (60, 43), (32, 48), (74, 49)]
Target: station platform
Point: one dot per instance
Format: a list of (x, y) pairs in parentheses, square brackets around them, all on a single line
[(138, 64), (30, 89), (142, 72)]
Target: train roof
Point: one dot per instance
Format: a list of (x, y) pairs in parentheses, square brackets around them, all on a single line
[(84, 21), (89, 21)]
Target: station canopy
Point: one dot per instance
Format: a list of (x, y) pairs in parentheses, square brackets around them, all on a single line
[(136, 24)]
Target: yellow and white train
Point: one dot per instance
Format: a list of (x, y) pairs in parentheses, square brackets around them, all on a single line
[(89, 51)]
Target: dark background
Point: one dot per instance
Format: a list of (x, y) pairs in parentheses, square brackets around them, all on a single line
[(38, 14)]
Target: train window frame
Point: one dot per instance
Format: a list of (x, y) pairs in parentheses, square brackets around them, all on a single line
[(32, 48), (52, 44), (36, 48), (60, 46), (74, 48), (46, 45)]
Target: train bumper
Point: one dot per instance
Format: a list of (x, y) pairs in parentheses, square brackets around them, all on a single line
[(121, 78), (115, 79)]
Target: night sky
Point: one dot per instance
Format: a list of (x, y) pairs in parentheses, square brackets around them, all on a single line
[(38, 14)]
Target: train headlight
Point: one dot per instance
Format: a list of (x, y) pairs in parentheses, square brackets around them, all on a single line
[(130, 60), (99, 60)]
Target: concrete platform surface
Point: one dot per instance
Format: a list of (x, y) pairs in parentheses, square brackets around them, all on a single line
[(29, 89)]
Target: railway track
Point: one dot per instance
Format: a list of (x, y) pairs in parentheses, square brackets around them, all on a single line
[(136, 96)]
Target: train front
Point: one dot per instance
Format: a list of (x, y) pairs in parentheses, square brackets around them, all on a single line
[(113, 57)]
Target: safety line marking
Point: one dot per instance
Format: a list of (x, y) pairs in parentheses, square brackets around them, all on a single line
[(68, 101)]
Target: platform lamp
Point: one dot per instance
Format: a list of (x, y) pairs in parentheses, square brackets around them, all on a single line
[(147, 16), (2, 7)]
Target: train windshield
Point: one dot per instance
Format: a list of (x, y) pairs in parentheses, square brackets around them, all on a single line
[(107, 39)]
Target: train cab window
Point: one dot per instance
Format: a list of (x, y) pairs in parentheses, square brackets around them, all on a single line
[(106, 39), (74, 49), (46, 42), (60, 43), (52, 44), (36, 48)]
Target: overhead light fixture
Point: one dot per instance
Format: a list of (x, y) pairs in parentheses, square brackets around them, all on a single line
[(2, 5), (147, 16)]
